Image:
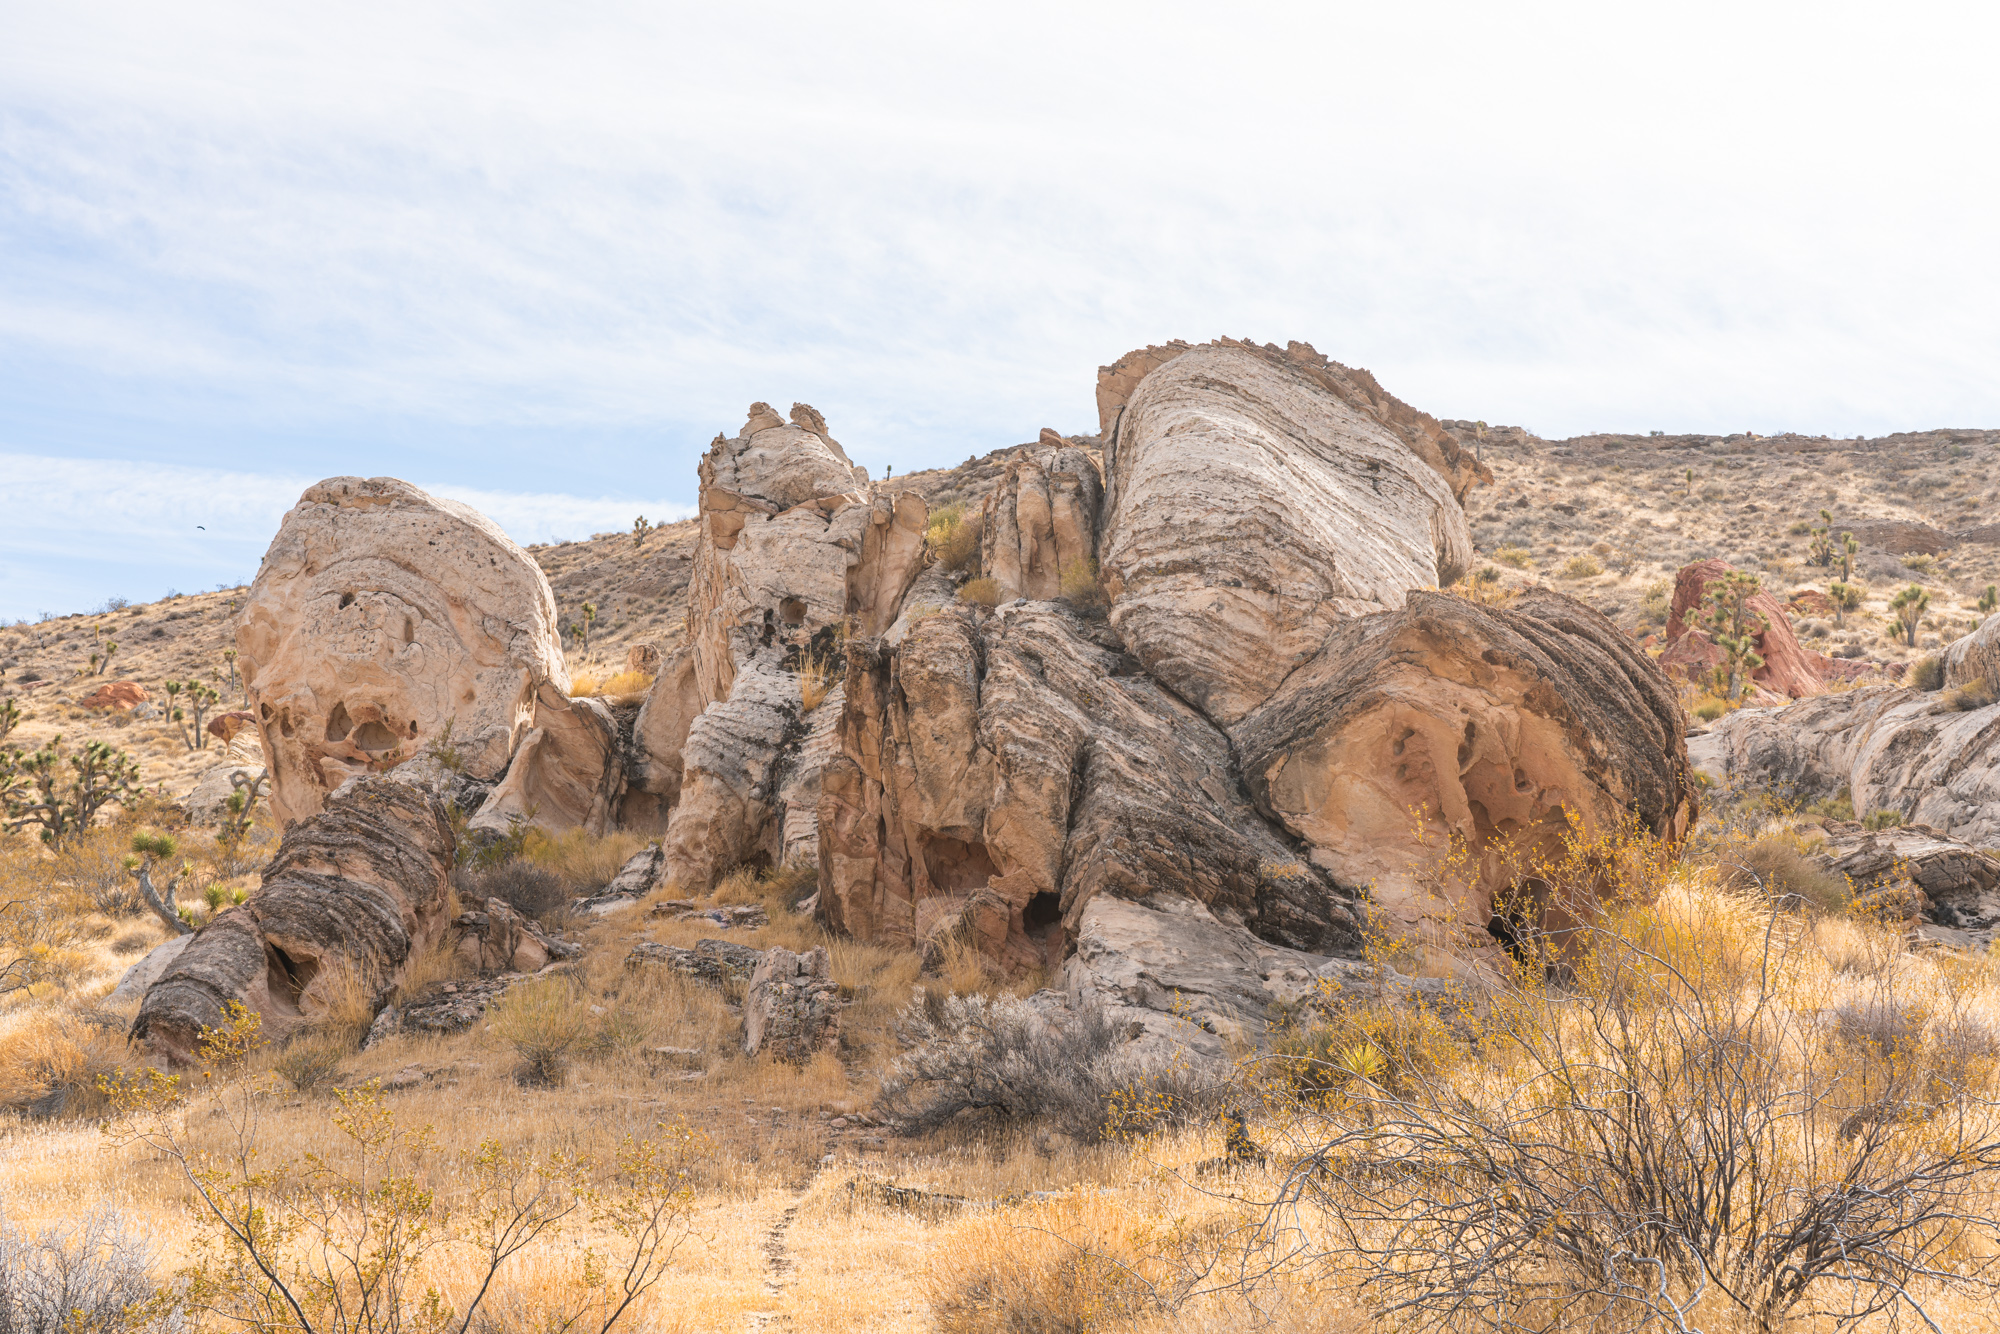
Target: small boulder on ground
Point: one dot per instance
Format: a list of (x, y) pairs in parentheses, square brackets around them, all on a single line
[(714, 962), (493, 937), (792, 1009)]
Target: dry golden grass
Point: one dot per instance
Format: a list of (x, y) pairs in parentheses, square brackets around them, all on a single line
[(580, 859)]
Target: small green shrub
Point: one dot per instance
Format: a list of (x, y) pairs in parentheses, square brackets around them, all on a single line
[(953, 537), (1081, 589), (1972, 695), (1711, 709), (1883, 820), (1927, 673), (1581, 567), (1514, 557)]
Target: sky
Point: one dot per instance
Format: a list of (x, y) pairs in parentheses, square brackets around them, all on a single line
[(535, 256)]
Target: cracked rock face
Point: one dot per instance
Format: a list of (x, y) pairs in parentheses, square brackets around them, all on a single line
[(358, 889), (998, 773), (793, 545), (1249, 510), (1495, 727), (380, 615), (1041, 520), (1975, 657)]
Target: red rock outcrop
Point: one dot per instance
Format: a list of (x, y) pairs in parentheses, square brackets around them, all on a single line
[(357, 890), (225, 726), (116, 696), (1789, 668)]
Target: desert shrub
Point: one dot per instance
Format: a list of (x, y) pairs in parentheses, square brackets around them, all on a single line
[(1882, 820), (1920, 562), (1777, 865), (1799, 529), (91, 1278), (51, 1060), (583, 861), (953, 537), (584, 685), (1927, 673), (980, 592), (818, 674), (1517, 558), (1081, 589), (545, 1022), (1840, 806), (1972, 695), (1581, 567), (1008, 1058), (94, 862), (1708, 710), (1075, 1264), (523, 886), (1677, 1137), (618, 683), (311, 1060)]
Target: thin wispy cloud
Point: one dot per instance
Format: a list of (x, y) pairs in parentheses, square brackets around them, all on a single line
[(558, 249)]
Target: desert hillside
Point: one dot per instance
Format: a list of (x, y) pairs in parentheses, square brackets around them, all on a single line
[(1277, 861)]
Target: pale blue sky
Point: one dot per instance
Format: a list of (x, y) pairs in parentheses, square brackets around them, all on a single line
[(536, 256)]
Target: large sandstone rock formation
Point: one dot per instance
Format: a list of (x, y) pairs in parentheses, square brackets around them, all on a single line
[(379, 616), (1889, 748), (355, 891), (795, 547), (1002, 774), (1041, 521), (1251, 504), (1503, 731)]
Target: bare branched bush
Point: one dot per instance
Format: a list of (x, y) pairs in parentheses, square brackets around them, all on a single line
[(522, 886), (1071, 1070), (92, 1278), (546, 1023), (1696, 1131)]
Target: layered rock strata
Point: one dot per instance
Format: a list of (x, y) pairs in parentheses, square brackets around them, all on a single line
[(1249, 509), (353, 894), (379, 617), (1975, 658)]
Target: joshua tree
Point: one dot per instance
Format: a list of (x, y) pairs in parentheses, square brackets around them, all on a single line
[(63, 794), (589, 621), (1909, 607), (1733, 627), (639, 530), (229, 664), (201, 698), (1845, 598), (1987, 602), (10, 717), (150, 850), (1690, 481), (1820, 550), (1849, 549), (241, 808)]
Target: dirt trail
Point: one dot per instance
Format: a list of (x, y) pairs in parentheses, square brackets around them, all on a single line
[(778, 1267)]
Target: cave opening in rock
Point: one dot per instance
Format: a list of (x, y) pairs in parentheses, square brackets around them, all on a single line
[(286, 978), (373, 736), (955, 865), (338, 724), (1044, 910), (792, 611)]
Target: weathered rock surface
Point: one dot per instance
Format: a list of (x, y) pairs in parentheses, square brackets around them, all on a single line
[(714, 962), (381, 615), (1789, 668), (792, 1009), (1042, 519), (1891, 748), (672, 704), (1495, 727), (1975, 657), (1428, 438), (1947, 869), (568, 773), (1250, 507), (209, 798), (139, 978), (358, 889), (730, 771), (493, 937), (225, 727), (997, 773)]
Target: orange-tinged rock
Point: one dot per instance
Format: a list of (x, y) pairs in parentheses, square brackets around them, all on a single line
[(118, 696)]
